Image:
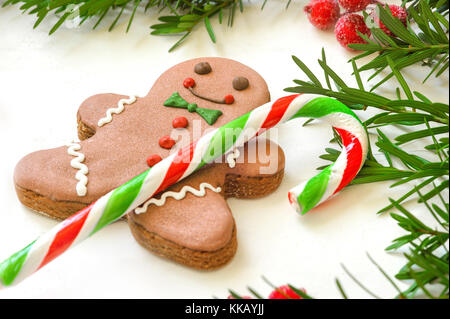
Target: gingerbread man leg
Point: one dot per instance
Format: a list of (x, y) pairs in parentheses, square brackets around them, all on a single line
[(191, 222)]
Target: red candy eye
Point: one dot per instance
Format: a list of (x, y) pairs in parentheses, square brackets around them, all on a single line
[(229, 99), (189, 83)]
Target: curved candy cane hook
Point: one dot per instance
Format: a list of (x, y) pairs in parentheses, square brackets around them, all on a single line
[(354, 137), (331, 180), (187, 160)]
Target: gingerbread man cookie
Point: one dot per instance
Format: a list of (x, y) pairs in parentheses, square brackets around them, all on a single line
[(121, 136)]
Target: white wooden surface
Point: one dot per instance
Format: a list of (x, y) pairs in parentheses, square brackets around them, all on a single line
[(43, 79)]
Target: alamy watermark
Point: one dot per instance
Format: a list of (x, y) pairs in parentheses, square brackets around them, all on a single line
[(259, 151)]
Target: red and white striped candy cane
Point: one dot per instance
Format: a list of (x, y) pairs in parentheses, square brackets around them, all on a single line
[(187, 160)]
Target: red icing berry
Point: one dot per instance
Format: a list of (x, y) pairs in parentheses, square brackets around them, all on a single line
[(229, 99), (153, 159), (347, 27), (189, 83), (285, 292), (166, 142), (354, 5), (397, 11), (323, 14), (180, 122)]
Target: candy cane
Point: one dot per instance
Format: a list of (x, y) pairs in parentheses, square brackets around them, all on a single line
[(189, 159)]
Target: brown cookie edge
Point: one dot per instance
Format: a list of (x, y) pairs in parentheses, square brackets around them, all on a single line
[(84, 130), (59, 210), (203, 260), (238, 186)]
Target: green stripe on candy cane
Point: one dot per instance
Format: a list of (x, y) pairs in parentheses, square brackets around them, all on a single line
[(322, 106), (11, 266), (314, 190), (120, 200), (224, 139)]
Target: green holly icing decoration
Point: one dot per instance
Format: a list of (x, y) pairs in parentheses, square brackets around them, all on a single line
[(192, 107), (175, 100), (209, 115)]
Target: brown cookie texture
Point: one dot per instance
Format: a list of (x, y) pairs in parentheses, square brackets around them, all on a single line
[(199, 231)]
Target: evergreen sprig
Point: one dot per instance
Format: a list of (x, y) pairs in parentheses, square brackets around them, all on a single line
[(415, 110), (194, 15), (427, 260), (427, 256), (425, 41), (183, 17)]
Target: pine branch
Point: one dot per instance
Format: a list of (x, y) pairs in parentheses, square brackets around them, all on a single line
[(397, 112), (427, 264), (184, 15), (185, 23), (429, 44)]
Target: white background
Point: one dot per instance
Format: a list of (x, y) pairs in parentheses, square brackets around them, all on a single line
[(43, 79)]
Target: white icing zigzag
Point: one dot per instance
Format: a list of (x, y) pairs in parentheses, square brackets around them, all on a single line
[(231, 158), (119, 109), (177, 195), (82, 168)]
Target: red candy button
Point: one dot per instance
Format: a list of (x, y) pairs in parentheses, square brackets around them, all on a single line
[(229, 99), (189, 83), (152, 160), (180, 122), (166, 142)]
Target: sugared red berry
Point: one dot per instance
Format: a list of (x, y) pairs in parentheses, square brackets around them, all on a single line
[(347, 28), (180, 122), (397, 12), (323, 14), (229, 99), (189, 83), (285, 292), (354, 5), (166, 142), (153, 160)]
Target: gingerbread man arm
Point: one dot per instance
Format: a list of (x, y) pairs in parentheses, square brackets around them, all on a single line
[(95, 108)]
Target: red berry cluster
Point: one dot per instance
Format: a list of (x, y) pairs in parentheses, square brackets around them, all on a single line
[(326, 14), (282, 292)]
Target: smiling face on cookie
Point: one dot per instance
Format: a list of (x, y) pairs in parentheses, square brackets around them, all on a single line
[(215, 83), (240, 83)]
